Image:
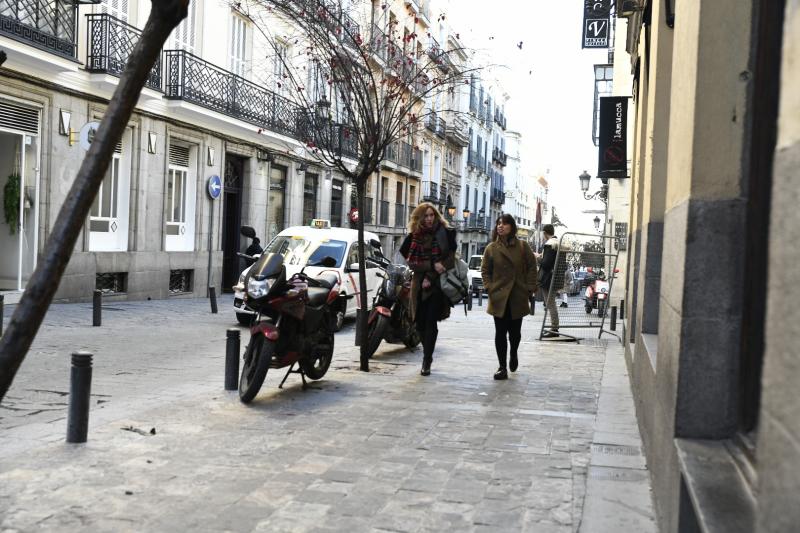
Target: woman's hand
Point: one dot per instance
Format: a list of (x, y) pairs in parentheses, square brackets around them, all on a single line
[(426, 283), (439, 267)]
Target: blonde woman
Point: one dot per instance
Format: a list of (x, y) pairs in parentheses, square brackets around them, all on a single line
[(429, 249), (509, 276)]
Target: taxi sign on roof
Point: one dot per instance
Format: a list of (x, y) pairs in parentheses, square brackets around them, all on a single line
[(320, 223)]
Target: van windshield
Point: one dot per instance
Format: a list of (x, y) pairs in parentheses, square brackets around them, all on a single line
[(301, 251), (475, 262)]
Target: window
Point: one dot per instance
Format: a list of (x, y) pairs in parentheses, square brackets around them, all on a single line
[(412, 195), (310, 198), (277, 197), (109, 216), (279, 67), (238, 47), (180, 199), (183, 36), (116, 8), (398, 195), (337, 198), (297, 250)]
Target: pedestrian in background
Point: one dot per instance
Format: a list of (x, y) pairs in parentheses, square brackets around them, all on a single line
[(509, 278), (429, 250), (547, 264)]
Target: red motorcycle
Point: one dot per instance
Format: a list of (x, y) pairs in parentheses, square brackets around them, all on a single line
[(294, 322)]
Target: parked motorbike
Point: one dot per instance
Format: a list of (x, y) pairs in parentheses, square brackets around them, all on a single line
[(294, 322), (244, 315), (596, 296), (390, 317)]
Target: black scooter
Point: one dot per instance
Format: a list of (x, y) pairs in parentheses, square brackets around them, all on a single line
[(390, 317)]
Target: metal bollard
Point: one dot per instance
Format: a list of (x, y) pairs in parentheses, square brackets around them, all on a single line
[(480, 297), (232, 359), (212, 294), (1, 314), (613, 318), (97, 308), (622, 309), (80, 386)]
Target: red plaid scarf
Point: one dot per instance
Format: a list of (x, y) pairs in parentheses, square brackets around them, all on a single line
[(418, 255)]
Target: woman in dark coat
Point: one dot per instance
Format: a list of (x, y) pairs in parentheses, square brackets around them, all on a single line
[(509, 277), (429, 250)]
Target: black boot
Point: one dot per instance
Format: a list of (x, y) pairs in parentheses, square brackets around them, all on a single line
[(513, 363), (426, 366), (501, 373)]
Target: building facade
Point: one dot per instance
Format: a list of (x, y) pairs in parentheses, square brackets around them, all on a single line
[(711, 324)]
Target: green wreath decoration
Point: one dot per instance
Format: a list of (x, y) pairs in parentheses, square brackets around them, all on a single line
[(11, 202)]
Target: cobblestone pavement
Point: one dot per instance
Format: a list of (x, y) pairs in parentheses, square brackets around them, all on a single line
[(554, 448)]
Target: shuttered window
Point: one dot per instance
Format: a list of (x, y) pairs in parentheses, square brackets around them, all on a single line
[(116, 8), (238, 46), (183, 37), (19, 117), (177, 177)]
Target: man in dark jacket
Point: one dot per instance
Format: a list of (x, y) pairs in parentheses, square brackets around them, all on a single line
[(547, 267)]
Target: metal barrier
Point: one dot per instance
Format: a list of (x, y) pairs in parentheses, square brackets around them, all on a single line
[(579, 296)]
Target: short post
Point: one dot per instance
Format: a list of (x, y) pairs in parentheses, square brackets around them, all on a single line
[(613, 318), (212, 294), (97, 308), (232, 359), (1, 314), (622, 309), (80, 386), (480, 297)]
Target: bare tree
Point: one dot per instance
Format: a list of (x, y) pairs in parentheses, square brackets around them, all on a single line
[(164, 17), (357, 86)]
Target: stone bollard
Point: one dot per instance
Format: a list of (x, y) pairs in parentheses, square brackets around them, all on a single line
[(232, 359), (480, 297), (613, 318), (622, 309), (212, 294), (80, 387), (97, 308)]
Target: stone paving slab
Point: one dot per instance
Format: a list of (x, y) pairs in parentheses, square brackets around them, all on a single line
[(384, 451)]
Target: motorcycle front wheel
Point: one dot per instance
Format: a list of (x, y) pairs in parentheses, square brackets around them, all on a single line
[(257, 358), (317, 364), (375, 334)]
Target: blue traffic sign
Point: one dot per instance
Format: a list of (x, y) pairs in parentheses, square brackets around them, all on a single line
[(214, 187)]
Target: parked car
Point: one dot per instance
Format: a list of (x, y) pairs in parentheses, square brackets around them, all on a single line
[(474, 274), (302, 245)]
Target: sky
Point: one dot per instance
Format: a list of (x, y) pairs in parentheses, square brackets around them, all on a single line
[(550, 81)]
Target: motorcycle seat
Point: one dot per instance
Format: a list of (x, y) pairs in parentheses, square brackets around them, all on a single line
[(327, 280), (317, 296)]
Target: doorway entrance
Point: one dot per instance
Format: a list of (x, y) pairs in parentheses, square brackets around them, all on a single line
[(231, 220), (19, 188)]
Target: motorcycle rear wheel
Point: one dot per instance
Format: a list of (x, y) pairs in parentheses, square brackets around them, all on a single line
[(375, 334), (317, 364), (257, 358)]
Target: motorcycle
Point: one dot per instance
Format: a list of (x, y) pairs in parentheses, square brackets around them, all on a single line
[(390, 317), (244, 315), (294, 322), (596, 296)]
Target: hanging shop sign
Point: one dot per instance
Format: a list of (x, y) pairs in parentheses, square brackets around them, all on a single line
[(596, 22), (613, 141)]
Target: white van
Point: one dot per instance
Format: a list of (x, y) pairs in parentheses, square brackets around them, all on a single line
[(300, 245), (474, 274)]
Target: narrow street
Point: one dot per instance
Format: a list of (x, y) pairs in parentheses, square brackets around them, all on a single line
[(554, 448)]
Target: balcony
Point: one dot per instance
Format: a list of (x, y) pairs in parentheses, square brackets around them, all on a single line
[(416, 161), (110, 42), (478, 223), (430, 192), (431, 121), (499, 157), (457, 133), (379, 43), (500, 118), (441, 128), (399, 215), (49, 25), (498, 196)]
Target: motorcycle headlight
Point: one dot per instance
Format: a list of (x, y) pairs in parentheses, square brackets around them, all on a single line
[(603, 290), (257, 289), (390, 286)]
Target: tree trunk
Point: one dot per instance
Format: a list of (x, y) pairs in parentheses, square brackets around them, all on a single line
[(15, 343), (361, 328)]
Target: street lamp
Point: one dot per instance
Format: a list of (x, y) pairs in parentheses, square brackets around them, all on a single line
[(465, 213), (597, 223), (451, 210), (601, 195)]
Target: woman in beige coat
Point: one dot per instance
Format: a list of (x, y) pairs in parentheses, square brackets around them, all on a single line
[(509, 277)]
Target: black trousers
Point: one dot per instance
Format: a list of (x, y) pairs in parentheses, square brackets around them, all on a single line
[(428, 312), (511, 328)]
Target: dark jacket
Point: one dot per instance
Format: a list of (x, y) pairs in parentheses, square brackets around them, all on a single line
[(552, 264), (509, 277), (446, 238)]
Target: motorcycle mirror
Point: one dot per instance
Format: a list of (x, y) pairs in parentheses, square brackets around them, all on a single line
[(247, 231)]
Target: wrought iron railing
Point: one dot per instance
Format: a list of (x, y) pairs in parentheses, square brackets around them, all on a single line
[(399, 215), (110, 42), (51, 25), (456, 130), (441, 128), (379, 43), (197, 81), (383, 212), (499, 156), (431, 121), (430, 191), (478, 223)]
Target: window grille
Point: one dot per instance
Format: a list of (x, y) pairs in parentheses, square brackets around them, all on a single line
[(180, 281), (111, 282)]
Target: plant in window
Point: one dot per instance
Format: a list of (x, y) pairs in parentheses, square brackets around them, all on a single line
[(11, 202)]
